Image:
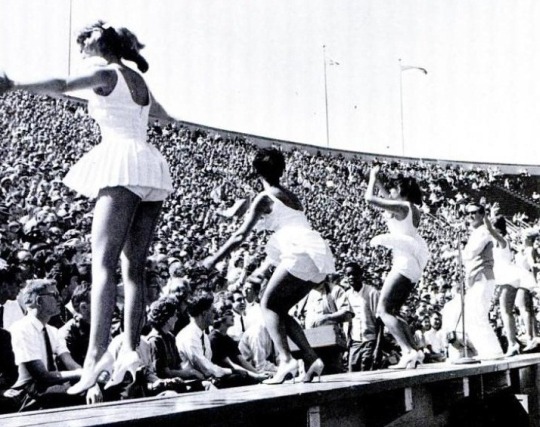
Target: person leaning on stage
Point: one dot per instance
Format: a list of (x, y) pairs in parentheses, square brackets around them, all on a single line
[(167, 363), (38, 347), (362, 299), (225, 350), (192, 341), (76, 332), (326, 304)]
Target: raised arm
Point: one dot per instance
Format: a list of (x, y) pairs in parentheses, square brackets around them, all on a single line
[(395, 206), (496, 235)]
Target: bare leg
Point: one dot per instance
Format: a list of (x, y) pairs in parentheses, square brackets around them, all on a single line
[(133, 260), (282, 292), (113, 213), (506, 300), (394, 292), (524, 303)]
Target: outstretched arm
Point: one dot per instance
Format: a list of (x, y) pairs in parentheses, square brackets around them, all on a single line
[(260, 206), (99, 78)]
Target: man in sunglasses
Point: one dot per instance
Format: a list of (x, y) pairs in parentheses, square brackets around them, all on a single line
[(44, 362), (480, 283)]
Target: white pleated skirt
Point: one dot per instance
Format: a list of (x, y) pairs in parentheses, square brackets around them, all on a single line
[(303, 252), (119, 163)]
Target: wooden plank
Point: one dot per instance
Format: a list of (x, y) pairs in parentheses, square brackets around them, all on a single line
[(202, 408)]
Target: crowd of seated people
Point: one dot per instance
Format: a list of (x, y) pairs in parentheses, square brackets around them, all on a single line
[(44, 236)]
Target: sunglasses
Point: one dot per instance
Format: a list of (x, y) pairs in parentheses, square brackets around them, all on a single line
[(52, 294)]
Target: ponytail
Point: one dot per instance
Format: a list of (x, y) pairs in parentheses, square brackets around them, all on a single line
[(130, 47)]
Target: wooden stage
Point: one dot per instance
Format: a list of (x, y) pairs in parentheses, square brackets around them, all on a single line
[(432, 395)]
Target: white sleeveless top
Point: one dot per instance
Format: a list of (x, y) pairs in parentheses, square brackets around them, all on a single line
[(124, 157), (294, 244)]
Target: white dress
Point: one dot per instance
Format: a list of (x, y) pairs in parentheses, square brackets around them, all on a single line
[(123, 157), (295, 245), (509, 273), (410, 252)]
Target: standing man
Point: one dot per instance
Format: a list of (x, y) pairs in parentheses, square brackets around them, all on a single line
[(480, 280), (363, 299)]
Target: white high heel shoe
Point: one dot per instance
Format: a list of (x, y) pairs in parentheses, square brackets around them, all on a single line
[(127, 362), (285, 371), (407, 361), (315, 370), (89, 379)]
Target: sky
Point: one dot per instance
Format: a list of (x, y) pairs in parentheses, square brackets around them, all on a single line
[(258, 67)]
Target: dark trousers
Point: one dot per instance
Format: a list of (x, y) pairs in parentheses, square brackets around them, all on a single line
[(361, 355)]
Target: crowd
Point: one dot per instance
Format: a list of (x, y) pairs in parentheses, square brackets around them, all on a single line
[(45, 249)]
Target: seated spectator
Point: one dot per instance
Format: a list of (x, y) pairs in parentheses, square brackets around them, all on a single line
[(435, 340), (194, 344), (257, 348), (225, 350), (76, 332), (419, 334), (38, 347), (165, 355), (192, 341)]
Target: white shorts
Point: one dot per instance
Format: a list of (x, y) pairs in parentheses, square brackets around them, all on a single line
[(148, 194)]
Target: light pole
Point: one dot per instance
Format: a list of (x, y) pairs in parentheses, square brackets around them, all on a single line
[(403, 68), (326, 99)]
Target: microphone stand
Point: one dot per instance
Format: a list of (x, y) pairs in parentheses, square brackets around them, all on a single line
[(465, 360)]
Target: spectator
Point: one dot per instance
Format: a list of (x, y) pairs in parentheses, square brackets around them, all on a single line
[(76, 332), (193, 343), (435, 340), (166, 358), (36, 346), (225, 350), (363, 299), (326, 305)]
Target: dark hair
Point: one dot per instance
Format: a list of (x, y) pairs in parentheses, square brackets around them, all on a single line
[(161, 311), (120, 42), (500, 225), (199, 302), (409, 189), (270, 164), (81, 294), (7, 276), (354, 266), (221, 310)]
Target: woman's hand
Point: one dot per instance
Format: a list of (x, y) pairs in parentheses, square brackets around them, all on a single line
[(5, 83), (375, 171)]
